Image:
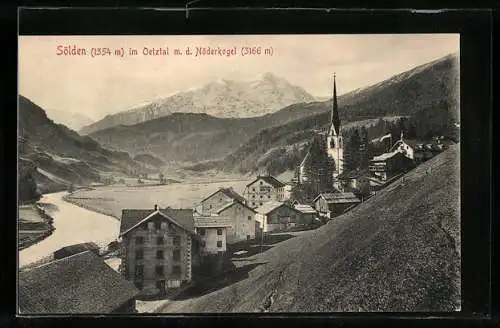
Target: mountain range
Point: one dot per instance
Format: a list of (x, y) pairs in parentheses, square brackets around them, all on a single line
[(58, 156), (222, 98), (247, 143)]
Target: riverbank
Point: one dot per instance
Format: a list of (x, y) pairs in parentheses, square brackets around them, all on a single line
[(34, 225), (72, 225)]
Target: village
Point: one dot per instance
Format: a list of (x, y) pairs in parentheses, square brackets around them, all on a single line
[(164, 251)]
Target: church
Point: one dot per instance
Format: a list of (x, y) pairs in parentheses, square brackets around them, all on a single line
[(332, 144)]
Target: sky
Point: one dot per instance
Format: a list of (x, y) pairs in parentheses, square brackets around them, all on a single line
[(101, 85)]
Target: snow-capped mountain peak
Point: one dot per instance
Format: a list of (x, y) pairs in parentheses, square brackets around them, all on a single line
[(262, 95)]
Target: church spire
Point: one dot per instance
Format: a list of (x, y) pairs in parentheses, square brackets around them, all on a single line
[(335, 112)]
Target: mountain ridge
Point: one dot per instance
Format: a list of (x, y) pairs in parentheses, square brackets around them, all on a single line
[(221, 98), (208, 138), (57, 155)]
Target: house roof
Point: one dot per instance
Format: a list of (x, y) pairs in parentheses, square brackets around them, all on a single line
[(75, 249), (383, 156), (131, 218), (269, 179), (229, 192), (229, 205), (306, 209), (338, 198), (81, 283), (270, 206), (410, 142), (212, 222)]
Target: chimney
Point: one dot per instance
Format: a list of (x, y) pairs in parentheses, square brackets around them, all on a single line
[(156, 207)]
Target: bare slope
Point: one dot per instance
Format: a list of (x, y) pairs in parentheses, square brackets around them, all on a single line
[(60, 155), (398, 251)]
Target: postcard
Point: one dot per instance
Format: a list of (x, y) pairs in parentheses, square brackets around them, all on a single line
[(239, 173)]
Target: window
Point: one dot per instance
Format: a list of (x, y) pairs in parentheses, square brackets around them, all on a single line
[(248, 237), (201, 231), (253, 196), (176, 269), (219, 232), (158, 225), (176, 255), (159, 255), (260, 203), (139, 271), (249, 217), (260, 196), (159, 270), (269, 196), (177, 240), (219, 243), (139, 254), (144, 226), (160, 241), (253, 189), (139, 240), (210, 207), (332, 143), (261, 183)]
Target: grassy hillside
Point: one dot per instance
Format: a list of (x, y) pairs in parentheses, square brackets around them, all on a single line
[(200, 137), (398, 251), (58, 156)]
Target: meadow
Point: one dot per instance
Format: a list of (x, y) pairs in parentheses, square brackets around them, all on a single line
[(111, 200)]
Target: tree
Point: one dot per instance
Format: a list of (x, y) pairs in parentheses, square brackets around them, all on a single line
[(162, 178), (321, 166), (351, 153), (363, 147), (27, 185)]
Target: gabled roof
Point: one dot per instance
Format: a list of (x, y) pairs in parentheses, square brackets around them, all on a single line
[(269, 179), (306, 209), (131, 218), (81, 283), (338, 198), (270, 206), (229, 192), (212, 222), (229, 205), (383, 156)]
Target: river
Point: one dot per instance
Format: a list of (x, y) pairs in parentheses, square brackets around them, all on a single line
[(72, 225)]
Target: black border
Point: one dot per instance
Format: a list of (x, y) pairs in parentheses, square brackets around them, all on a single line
[(476, 95)]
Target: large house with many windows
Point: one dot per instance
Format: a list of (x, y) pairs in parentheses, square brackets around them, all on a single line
[(160, 248), (264, 189)]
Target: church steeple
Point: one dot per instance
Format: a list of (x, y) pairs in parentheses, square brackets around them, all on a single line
[(335, 120), (334, 136)]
